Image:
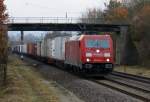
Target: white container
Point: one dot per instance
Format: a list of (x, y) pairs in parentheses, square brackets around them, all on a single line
[(49, 48), (24, 48), (38, 48), (42, 48), (20, 48), (53, 48), (58, 47)]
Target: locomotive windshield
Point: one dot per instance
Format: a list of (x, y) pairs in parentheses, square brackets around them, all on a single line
[(97, 44)]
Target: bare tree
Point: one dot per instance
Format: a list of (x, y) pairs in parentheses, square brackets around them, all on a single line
[(92, 16)]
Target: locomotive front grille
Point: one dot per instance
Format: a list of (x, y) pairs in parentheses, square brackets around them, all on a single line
[(108, 65), (99, 66), (88, 66)]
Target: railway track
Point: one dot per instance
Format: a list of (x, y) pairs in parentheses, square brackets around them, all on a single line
[(135, 86), (133, 77), (127, 88)]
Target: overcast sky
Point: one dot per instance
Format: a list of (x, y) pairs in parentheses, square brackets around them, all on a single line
[(51, 8)]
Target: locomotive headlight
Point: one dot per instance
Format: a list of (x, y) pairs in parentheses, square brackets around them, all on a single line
[(88, 60), (106, 54), (97, 51), (88, 54), (108, 60)]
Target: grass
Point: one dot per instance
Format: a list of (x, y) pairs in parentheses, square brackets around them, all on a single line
[(136, 70), (25, 85)]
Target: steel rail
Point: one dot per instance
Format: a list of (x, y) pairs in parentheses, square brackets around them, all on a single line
[(133, 77), (143, 98), (129, 85)]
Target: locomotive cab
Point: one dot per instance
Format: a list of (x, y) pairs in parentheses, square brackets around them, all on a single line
[(97, 53)]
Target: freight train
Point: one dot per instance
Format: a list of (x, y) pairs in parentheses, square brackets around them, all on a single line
[(91, 54)]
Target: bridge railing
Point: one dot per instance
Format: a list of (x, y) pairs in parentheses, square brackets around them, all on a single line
[(53, 20)]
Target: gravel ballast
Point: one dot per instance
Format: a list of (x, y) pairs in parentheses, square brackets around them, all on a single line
[(86, 90)]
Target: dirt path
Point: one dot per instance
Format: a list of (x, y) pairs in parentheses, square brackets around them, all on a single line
[(135, 70), (26, 85)]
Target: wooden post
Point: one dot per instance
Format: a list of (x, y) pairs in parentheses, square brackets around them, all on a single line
[(125, 70), (3, 74)]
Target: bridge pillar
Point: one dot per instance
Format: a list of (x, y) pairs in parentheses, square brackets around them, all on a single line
[(22, 37), (120, 45), (124, 35), (22, 42)]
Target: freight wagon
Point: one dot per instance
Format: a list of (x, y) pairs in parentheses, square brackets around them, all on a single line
[(24, 48), (56, 49), (17, 48), (31, 49)]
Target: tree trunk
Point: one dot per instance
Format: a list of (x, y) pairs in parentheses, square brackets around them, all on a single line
[(3, 54), (3, 43)]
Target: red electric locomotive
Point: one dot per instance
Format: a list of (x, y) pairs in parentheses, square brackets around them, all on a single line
[(91, 53)]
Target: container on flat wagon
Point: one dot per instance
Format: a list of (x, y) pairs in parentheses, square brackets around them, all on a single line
[(44, 48), (24, 48), (72, 53), (53, 48), (49, 48), (29, 48), (58, 47), (65, 39), (17, 48), (38, 48), (20, 48), (32, 49)]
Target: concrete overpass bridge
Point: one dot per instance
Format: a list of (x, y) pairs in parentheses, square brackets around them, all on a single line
[(61, 24)]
